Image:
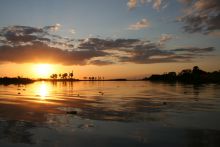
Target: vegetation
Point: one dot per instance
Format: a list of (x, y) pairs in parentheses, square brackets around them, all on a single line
[(70, 76), (16, 80), (196, 75), (63, 77), (94, 78)]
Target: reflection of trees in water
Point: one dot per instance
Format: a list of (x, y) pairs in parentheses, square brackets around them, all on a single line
[(68, 84), (203, 138), (194, 90), (198, 89), (16, 131)]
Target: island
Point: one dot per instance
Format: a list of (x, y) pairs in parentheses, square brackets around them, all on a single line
[(195, 75)]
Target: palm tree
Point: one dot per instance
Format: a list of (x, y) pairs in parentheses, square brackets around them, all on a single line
[(64, 76), (71, 75), (53, 76)]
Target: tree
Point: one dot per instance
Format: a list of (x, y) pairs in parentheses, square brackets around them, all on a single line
[(185, 72), (53, 76), (196, 70), (71, 75), (64, 76)]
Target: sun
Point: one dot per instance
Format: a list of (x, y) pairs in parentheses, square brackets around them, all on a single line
[(43, 70)]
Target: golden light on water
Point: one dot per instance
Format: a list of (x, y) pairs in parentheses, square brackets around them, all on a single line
[(42, 91)]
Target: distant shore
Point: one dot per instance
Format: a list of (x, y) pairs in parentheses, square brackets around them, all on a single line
[(191, 76), (15, 80), (194, 76), (19, 80), (75, 80)]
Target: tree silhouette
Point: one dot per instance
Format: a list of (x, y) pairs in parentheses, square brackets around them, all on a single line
[(71, 75), (196, 75), (53, 76), (196, 69), (64, 76)]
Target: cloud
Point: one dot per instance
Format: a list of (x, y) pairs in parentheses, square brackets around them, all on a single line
[(201, 16), (23, 44), (101, 62), (132, 4), (15, 34), (140, 52), (53, 28), (185, 1), (165, 37), (103, 44), (144, 23), (195, 50), (73, 31), (39, 52), (156, 4), (152, 53)]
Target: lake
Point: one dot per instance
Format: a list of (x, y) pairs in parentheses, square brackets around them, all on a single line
[(109, 114)]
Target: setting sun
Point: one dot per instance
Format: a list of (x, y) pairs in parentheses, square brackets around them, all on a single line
[(43, 70)]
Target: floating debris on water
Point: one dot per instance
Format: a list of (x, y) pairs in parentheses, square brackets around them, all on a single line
[(164, 103), (84, 126), (102, 93), (71, 112)]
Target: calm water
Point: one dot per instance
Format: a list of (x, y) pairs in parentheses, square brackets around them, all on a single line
[(110, 114)]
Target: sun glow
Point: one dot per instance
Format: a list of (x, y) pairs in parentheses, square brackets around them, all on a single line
[(43, 70)]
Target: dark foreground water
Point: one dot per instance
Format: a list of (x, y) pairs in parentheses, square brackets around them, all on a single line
[(110, 114)]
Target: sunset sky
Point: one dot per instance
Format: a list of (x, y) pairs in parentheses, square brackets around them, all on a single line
[(111, 38)]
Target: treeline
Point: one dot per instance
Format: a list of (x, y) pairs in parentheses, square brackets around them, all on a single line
[(62, 76), (15, 80), (195, 75), (70, 76), (94, 78)]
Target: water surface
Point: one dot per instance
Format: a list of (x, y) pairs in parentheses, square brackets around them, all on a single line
[(125, 113)]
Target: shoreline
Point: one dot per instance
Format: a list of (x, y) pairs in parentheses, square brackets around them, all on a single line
[(25, 81)]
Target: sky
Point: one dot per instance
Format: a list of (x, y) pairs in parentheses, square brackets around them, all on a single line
[(110, 38)]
